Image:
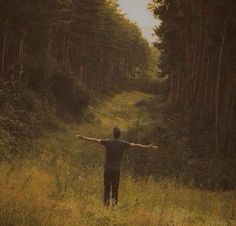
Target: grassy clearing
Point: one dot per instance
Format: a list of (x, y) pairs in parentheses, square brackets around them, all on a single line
[(64, 186)]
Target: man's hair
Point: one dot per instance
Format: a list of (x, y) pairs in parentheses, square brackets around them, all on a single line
[(116, 133)]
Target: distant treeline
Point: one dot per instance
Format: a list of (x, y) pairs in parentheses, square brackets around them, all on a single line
[(92, 37), (198, 53)]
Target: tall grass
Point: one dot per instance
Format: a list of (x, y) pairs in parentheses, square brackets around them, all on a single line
[(30, 196), (64, 185)]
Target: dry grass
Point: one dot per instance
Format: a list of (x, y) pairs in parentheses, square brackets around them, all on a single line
[(64, 186), (28, 198)]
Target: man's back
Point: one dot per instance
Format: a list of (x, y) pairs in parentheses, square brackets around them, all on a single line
[(114, 153)]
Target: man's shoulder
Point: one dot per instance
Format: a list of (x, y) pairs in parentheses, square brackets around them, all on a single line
[(124, 143), (114, 141)]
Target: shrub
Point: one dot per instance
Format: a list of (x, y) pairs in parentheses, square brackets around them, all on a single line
[(68, 92), (157, 86), (35, 76)]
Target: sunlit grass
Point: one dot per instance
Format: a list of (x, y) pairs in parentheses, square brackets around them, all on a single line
[(63, 187), (28, 198)]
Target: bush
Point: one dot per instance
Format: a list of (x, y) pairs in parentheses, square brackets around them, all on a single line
[(36, 77), (28, 107), (179, 157), (157, 86), (23, 117), (68, 92)]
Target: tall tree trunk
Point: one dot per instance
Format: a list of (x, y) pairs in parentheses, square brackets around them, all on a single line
[(171, 86), (205, 44), (4, 47), (207, 82), (217, 90), (178, 87), (21, 56)]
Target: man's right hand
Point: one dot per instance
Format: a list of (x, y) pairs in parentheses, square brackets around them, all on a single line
[(152, 147), (147, 147)]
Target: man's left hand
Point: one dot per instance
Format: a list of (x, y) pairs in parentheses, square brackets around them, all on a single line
[(78, 136)]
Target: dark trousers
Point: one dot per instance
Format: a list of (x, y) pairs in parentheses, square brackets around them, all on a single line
[(111, 185)]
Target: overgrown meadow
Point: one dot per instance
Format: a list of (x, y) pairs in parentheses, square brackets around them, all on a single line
[(64, 184)]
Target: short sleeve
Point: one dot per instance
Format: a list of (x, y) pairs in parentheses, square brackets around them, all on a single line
[(126, 144), (104, 142)]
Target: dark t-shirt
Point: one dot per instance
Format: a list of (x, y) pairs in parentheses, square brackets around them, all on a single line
[(114, 153)]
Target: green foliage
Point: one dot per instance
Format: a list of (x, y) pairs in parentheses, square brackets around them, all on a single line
[(175, 159), (23, 117), (158, 86), (68, 92), (36, 77)]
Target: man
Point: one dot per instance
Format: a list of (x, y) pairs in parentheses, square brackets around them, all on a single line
[(114, 154)]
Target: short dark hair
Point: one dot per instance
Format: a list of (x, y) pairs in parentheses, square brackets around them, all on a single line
[(116, 133)]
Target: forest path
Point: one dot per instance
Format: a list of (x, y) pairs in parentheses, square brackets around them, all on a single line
[(108, 112), (118, 110)]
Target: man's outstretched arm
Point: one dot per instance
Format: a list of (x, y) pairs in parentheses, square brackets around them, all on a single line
[(146, 147), (90, 139)]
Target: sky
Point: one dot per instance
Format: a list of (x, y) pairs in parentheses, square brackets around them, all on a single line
[(136, 11)]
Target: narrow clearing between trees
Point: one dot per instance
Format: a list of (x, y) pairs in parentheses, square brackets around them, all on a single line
[(64, 185)]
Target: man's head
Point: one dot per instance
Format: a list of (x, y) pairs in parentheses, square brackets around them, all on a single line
[(116, 133)]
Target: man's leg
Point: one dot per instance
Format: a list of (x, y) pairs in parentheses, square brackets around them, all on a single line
[(107, 187), (115, 186)]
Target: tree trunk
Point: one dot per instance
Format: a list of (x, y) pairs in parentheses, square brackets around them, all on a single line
[(21, 57), (171, 86), (205, 19), (217, 90), (4, 47)]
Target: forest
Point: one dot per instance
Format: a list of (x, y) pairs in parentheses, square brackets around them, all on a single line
[(196, 40), (92, 38), (81, 66)]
